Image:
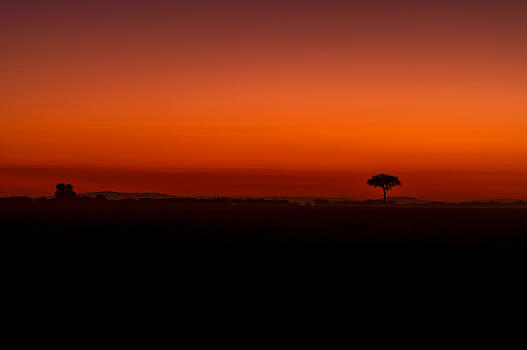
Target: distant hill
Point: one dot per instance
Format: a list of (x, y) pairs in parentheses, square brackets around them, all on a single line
[(503, 201), (302, 200), (408, 200), (147, 195), (120, 196)]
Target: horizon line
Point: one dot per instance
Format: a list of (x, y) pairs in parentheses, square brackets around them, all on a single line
[(354, 199)]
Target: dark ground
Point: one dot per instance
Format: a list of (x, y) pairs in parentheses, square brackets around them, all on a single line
[(267, 267), (264, 258), (159, 235)]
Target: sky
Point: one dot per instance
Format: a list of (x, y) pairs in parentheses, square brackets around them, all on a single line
[(264, 97)]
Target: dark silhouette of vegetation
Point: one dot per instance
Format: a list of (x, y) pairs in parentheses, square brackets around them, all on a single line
[(65, 191), (16, 198), (386, 182)]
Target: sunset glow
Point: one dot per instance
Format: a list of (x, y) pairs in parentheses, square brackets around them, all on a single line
[(319, 94)]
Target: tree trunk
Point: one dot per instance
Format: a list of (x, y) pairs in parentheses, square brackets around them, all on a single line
[(384, 190)]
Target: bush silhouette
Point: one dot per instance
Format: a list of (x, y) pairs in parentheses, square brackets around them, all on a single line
[(386, 182), (64, 191)]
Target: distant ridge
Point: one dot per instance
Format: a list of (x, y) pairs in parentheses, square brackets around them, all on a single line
[(120, 195), (111, 195), (400, 200), (496, 201), (408, 200)]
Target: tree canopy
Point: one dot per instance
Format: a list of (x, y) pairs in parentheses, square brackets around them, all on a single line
[(65, 191), (384, 181)]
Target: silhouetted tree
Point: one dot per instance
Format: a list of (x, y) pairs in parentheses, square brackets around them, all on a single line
[(386, 182), (65, 192)]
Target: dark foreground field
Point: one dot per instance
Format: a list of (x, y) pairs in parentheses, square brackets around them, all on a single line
[(217, 224), (272, 259), (160, 235)]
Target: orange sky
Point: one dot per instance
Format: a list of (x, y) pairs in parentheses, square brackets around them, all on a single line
[(304, 86)]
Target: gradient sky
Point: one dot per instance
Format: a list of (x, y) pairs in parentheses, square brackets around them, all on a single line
[(433, 90)]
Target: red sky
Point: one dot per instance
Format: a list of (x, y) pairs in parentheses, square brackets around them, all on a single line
[(330, 91)]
